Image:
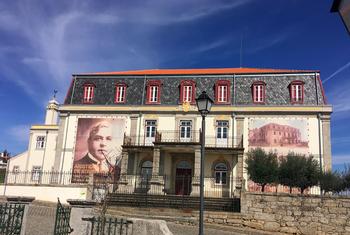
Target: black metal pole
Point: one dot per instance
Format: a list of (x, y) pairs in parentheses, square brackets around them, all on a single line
[(201, 209)]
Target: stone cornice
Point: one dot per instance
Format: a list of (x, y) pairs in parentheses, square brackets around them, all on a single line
[(326, 109)]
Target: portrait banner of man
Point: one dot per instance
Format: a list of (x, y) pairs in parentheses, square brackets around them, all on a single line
[(98, 147)]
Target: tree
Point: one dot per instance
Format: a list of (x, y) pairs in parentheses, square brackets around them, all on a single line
[(262, 167), (346, 177), (331, 182), (299, 171)]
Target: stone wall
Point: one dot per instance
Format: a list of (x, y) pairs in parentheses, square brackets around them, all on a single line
[(267, 213), (296, 214)]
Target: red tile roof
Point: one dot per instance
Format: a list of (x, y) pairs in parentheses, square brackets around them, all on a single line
[(200, 71)]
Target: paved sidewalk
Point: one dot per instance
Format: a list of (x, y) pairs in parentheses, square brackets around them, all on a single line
[(40, 220), (178, 229)]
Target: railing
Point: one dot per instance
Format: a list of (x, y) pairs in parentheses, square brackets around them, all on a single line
[(46, 177), (177, 185), (178, 137), (62, 226), (11, 218), (109, 225)]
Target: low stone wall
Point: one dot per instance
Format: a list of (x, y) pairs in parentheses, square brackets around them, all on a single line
[(296, 214), (267, 213)]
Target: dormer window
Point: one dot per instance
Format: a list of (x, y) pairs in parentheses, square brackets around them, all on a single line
[(120, 93), (296, 89), (88, 93), (258, 92), (187, 91), (153, 92), (222, 92)]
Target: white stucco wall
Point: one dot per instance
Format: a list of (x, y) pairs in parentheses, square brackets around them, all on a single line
[(45, 193)]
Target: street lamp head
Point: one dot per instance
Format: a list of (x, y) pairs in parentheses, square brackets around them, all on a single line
[(204, 103)]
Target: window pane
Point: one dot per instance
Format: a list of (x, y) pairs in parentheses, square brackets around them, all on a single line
[(217, 177), (224, 135), (223, 178)]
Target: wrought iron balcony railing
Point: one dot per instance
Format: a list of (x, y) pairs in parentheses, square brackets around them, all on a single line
[(182, 137)]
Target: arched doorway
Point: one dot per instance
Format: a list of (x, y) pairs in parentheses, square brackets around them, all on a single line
[(146, 174), (183, 178)]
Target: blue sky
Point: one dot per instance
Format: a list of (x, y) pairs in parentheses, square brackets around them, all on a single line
[(43, 42)]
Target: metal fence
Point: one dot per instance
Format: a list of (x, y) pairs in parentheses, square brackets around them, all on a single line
[(11, 217), (190, 137), (46, 177), (109, 225), (62, 226), (178, 185)]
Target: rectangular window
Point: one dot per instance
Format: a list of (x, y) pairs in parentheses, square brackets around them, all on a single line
[(36, 172), (222, 93), (221, 129), (40, 142), (151, 128), (88, 93), (187, 94), (297, 93), (258, 93), (120, 94), (153, 94), (185, 130)]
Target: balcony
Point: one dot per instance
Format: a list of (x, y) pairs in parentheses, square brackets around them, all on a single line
[(185, 138)]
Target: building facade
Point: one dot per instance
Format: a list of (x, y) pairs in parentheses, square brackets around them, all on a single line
[(144, 126)]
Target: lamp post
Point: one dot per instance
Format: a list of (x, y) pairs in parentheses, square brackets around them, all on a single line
[(204, 103)]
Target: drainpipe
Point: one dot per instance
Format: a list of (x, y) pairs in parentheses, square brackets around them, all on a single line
[(142, 103), (320, 140), (233, 145), (64, 147), (234, 89), (42, 163), (316, 88)]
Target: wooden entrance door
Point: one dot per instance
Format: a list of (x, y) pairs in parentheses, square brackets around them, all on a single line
[(183, 181)]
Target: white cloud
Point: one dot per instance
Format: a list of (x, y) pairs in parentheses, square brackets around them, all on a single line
[(341, 159), (59, 40), (212, 45), (20, 132), (339, 70)]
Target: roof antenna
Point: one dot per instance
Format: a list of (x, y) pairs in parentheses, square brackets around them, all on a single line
[(241, 52)]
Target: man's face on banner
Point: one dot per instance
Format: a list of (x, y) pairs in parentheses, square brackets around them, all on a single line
[(100, 141)]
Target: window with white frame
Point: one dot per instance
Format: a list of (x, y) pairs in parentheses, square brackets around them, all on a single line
[(297, 92), (220, 171), (153, 94), (187, 91), (120, 93), (185, 129), (259, 92), (187, 94), (221, 129), (40, 142), (36, 172), (88, 93), (222, 92), (151, 128), (153, 91)]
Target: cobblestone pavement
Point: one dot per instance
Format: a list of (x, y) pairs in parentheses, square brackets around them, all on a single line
[(178, 229), (40, 220)]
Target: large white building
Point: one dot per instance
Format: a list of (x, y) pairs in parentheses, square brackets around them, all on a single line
[(155, 129)]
